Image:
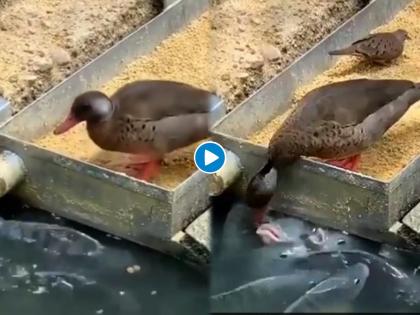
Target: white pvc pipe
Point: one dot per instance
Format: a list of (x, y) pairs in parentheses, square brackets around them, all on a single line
[(222, 179), (12, 171)]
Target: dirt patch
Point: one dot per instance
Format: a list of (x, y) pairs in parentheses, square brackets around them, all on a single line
[(401, 144), (3, 3), (44, 41), (233, 49), (183, 57), (255, 40)]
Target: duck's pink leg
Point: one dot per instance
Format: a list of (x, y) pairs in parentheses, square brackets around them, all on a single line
[(150, 170), (353, 162), (131, 161), (267, 232), (139, 160), (350, 163), (145, 165)]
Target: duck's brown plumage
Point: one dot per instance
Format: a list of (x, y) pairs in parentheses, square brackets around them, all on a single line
[(341, 119), (145, 119), (158, 116), (335, 121)]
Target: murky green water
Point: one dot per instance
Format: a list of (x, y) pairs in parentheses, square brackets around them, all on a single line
[(54, 269), (314, 270)]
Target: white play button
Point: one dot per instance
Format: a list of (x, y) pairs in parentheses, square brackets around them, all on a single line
[(209, 157)]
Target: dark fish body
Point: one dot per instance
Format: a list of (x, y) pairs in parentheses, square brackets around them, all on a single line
[(341, 288), (263, 295)]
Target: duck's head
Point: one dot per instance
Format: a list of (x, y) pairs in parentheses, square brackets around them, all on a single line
[(261, 189), (92, 106), (402, 34)]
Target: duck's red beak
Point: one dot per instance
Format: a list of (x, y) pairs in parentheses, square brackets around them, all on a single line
[(67, 124)]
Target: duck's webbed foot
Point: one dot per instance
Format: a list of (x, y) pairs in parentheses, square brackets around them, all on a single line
[(350, 163), (269, 233)]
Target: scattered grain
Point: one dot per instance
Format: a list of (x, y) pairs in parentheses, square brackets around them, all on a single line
[(401, 144), (220, 51), (31, 30)]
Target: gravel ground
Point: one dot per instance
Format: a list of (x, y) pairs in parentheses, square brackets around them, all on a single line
[(44, 41)]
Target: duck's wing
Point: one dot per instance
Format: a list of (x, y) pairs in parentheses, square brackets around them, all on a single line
[(326, 139), (157, 99), (162, 115), (164, 135), (376, 124), (346, 102), (346, 140), (331, 139)]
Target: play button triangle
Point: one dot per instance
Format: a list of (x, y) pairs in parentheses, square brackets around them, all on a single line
[(209, 157)]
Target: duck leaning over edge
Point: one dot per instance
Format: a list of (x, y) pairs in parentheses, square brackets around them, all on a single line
[(147, 119), (335, 122)]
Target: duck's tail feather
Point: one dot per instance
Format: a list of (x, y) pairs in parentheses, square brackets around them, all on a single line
[(376, 124), (345, 51)]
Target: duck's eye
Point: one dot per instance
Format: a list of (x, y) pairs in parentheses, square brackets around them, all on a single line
[(84, 107), (81, 110)]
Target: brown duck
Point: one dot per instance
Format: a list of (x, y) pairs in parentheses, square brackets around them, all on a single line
[(379, 48), (145, 118), (335, 122)]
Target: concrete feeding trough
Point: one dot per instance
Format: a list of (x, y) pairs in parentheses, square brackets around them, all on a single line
[(310, 189), (167, 3), (144, 213)]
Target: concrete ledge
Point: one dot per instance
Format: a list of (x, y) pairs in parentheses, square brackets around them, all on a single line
[(195, 242), (412, 219), (199, 230), (406, 236), (193, 252)]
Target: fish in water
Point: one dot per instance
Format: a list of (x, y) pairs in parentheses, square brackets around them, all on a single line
[(262, 295), (52, 238), (145, 119), (343, 287)]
